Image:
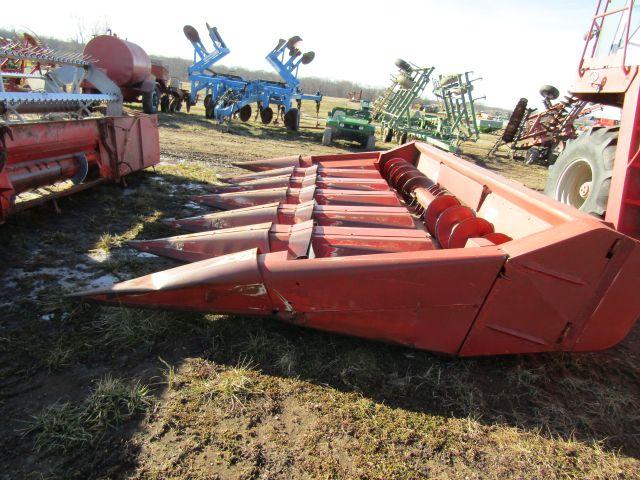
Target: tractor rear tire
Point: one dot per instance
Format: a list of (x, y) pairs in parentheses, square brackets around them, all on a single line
[(370, 144), (245, 113), (150, 101), (326, 136), (581, 176), (266, 115), (292, 119)]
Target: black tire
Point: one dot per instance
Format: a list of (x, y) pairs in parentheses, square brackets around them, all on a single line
[(173, 106), (245, 113), (150, 101), (584, 169), (370, 143), (389, 136), (266, 115), (292, 119), (208, 106), (515, 120), (402, 139), (326, 136), (178, 105), (164, 103), (532, 156), (402, 65)]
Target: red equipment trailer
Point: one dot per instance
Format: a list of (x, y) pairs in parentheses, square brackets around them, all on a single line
[(139, 78), (446, 257)]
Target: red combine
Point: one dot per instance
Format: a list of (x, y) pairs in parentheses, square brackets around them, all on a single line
[(418, 247)]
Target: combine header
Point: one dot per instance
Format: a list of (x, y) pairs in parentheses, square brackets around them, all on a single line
[(418, 247), (413, 246), (72, 149), (228, 95), (455, 123)]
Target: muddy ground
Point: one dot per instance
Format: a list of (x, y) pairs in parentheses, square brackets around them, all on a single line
[(98, 392)]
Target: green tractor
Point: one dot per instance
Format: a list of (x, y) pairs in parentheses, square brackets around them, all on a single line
[(351, 124)]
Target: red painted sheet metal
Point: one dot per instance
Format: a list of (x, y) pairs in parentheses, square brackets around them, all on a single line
[(44, 153)]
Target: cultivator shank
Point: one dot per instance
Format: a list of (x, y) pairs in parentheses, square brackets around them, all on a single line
[(440, 255)]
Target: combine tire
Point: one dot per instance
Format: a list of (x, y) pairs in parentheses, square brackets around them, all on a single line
[(150, 101), (164, 103), (370, 143), (245, 113), (266, 115), (515, 120), (581, 176), (292, 119), (402, 65), (326, 136)]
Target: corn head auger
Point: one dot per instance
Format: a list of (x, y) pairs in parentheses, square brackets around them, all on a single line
[(413, 246)]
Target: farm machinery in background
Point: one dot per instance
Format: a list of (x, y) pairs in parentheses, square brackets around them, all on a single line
[(54, 140), (537, 138), (227, 95), (351, 124), (139, 78), (453, 124)]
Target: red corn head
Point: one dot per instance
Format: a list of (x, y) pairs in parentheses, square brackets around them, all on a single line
[(449, 257)]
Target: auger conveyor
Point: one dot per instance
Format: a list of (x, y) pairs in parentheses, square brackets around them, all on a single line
[(412, 246)]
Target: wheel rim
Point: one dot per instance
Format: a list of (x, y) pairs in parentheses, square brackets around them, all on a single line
[(574, 185)]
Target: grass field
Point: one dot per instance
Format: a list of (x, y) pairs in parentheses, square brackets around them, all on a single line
[(97, 392)]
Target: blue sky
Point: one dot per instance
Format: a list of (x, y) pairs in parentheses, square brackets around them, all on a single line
[(515, 46)]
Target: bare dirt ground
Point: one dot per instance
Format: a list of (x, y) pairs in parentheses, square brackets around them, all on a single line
[(97, 392)]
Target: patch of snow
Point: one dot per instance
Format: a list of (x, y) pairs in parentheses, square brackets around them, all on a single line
[(47, 317)]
